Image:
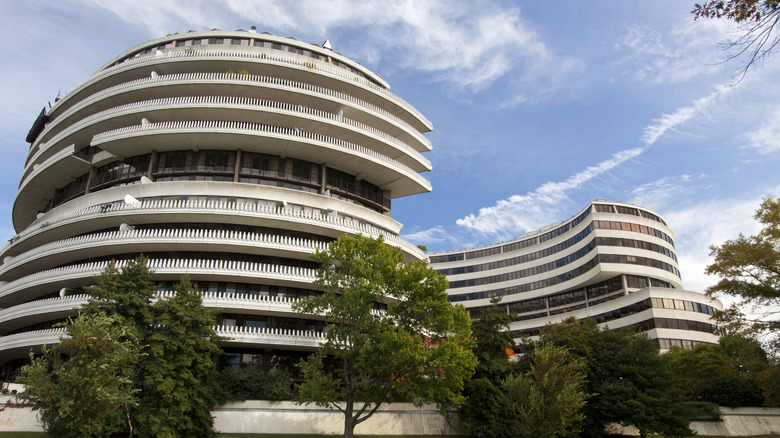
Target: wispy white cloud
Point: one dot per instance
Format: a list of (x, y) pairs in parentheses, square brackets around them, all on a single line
[(457, 42), (660, 193), (669, 122), (434, 236), (684, 52), (765, 139), (521, 213)]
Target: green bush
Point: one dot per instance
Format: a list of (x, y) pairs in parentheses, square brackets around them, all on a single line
[(252, 383), (703, 411)]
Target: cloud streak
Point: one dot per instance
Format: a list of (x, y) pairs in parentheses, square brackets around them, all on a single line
[(544, 205), (670, 122), (535, 209)]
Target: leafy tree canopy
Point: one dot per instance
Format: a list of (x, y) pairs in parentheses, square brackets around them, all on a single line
[(626, 378), (487, 411), (82, 386), (547, 400), (749, 270), (392, 334), (165, 348), (178, 372)]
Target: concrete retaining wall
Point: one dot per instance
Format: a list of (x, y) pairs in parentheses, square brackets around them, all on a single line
[(288, 417), (395, 419), (741, 422)]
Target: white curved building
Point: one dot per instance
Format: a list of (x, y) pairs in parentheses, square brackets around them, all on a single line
[(612, 262), (227, 155)]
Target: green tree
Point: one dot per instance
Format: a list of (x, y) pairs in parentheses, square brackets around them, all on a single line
[(176, 374), (759, 31), (626, 378), (127, 292), (749, 271), (82, 386), (179, 373), (392, 334), (736, 372), (546, 401), (487, 411)]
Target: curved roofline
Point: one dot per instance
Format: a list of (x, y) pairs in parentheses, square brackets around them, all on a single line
[(553, 226), (256, 35)]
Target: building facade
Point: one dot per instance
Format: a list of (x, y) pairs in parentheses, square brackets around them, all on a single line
[(612, 262), (230, 156)]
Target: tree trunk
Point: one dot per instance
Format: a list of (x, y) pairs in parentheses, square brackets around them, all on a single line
[(349, 420)]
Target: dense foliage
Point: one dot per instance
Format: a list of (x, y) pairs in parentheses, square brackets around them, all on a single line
[(178, 373), (252, 383), (82, 387), (626, 379), (392, 334), (487, 412), (541, 395), (547, 400), (736, 372), (166, 378), (749, 271)]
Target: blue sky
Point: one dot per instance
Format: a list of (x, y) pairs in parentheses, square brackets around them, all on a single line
[(538, 107)]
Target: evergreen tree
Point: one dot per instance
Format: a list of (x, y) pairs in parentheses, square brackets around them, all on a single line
[(487, 411), (546, 401), (178, 373), (627, 380), (82, 387)]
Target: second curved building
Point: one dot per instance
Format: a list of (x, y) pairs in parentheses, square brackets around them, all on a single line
[(612, 262)]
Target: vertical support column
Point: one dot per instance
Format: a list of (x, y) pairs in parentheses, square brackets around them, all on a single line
[(625, 284), (92, 171), (323, 177), (237, 165), (587, 299), (152, 162)]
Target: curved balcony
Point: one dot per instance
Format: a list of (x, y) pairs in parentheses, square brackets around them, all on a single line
[(237, 109), (78, 275), (19, 345), (270, 337), (121, 212), (348, 79), (117, 242), (39, 311), (388, 124)]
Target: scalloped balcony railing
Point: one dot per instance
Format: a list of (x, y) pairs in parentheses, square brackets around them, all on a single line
[(120, 208), (219, 300), (273, 336), (151, 59), (163, 235), (47, 305), (163, 266), (32, 339), (194, 78)]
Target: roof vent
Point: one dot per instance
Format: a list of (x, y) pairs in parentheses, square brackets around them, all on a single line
[(253, 29)]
